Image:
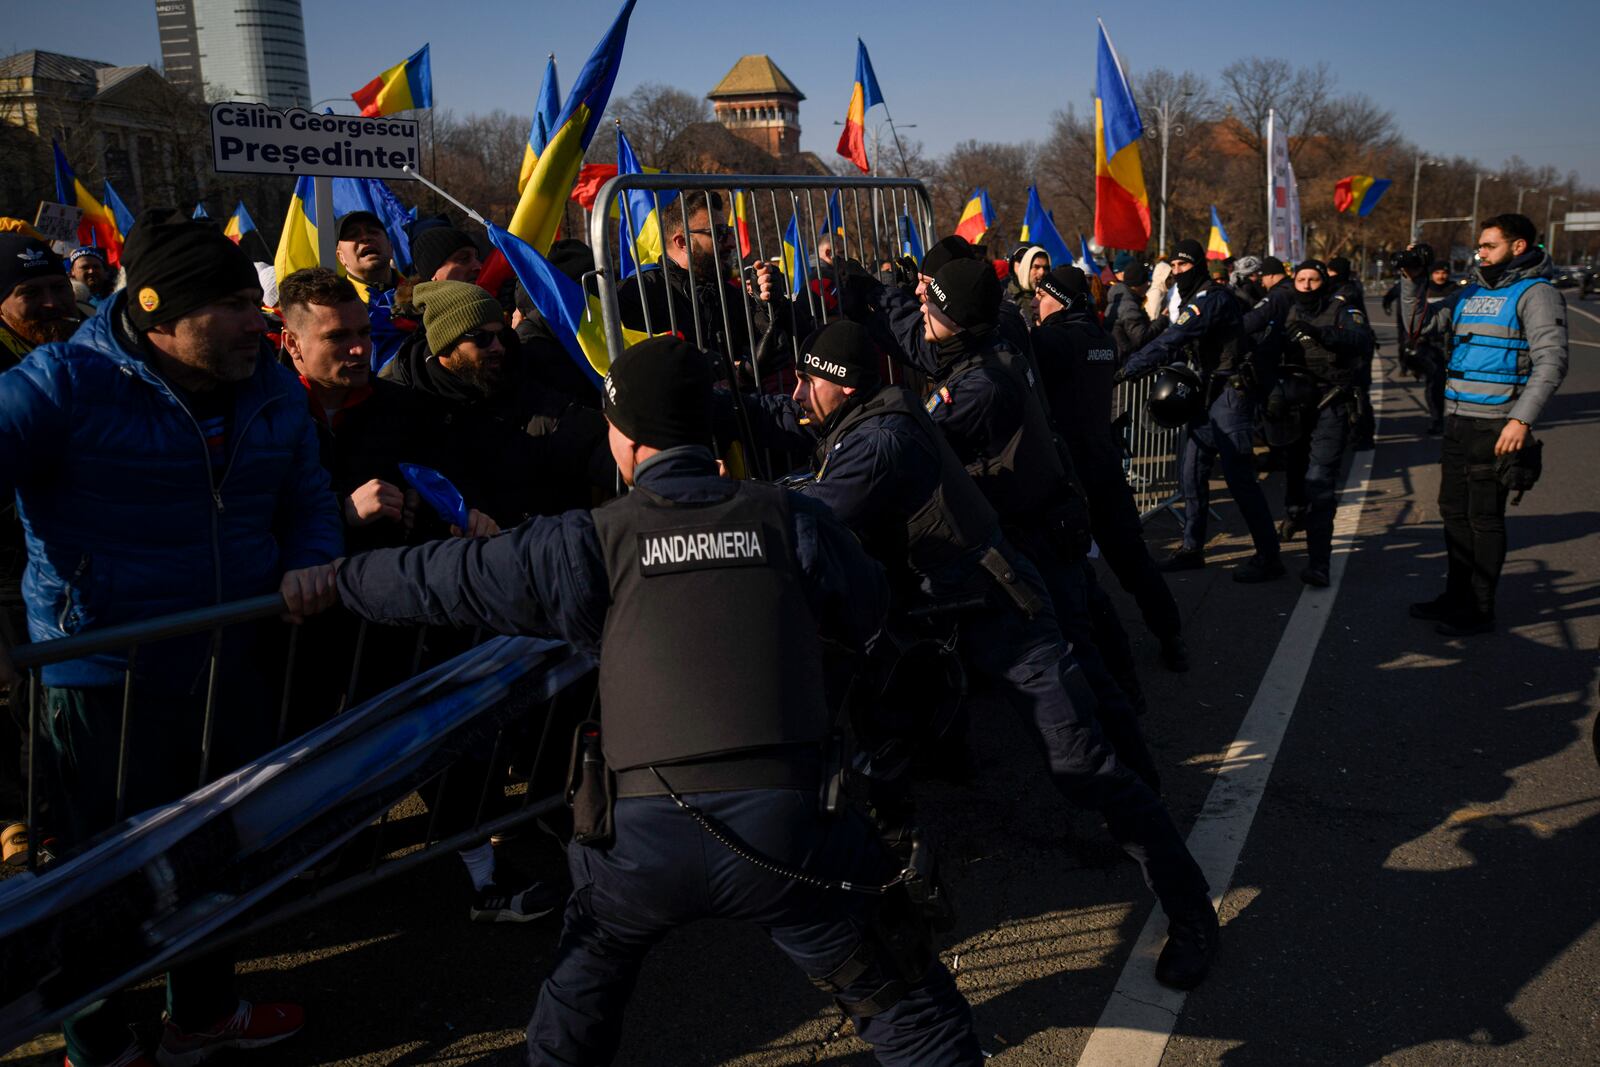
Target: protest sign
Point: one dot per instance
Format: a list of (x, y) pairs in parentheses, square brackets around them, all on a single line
[(256, 139)]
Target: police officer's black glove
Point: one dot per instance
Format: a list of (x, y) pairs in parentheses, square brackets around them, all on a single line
[(858, 289), (1303, 333)]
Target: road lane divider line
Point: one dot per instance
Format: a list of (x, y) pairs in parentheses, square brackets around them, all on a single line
[(1591, 316), (1138, 1020)]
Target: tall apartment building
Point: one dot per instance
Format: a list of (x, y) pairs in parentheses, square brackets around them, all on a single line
[(236, 49)]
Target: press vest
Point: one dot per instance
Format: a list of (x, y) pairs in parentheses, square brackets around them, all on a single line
[(1490, 362), (1025, 474), (954, 521), (709, 648), (1319, 359)]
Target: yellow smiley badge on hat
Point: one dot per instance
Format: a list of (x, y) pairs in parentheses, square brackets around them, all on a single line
[(149, 299)]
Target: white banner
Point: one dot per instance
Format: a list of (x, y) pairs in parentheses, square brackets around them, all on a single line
[(256, 139), (57, 222), (1285, 237)]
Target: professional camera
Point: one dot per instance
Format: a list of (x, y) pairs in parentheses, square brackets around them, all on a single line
[(1414, 260)]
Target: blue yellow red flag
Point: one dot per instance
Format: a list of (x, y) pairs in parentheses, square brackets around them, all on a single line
[(794, 255), (834, 223), (1217, 243), (572, 313), (644, 244), (406, 86), (545, 112), (239, 224), (1359, 191), (976, 217), (97, 227), (863, 96), (1121, 205), (121, 217), (910, 238), (739, 219), (1038, 228)]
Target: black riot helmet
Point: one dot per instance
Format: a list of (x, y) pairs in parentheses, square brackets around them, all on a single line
[(1176, 397), (1292, 397)]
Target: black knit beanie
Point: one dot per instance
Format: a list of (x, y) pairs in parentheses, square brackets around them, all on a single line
[(431, 248), (945, 250), (967, 292), (1066, 284), (841, 352), (176, 265), (658, 393)]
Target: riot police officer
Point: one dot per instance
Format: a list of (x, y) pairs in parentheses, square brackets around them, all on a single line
[(1209, 332), (1077, 363), (694, 739), (889, 474), (1326, 338)]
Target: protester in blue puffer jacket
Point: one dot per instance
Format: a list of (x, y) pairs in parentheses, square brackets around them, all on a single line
[(161, 460)]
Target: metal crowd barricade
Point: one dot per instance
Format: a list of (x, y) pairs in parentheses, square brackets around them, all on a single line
[(363, 853), (1150, 453), (859, 218)]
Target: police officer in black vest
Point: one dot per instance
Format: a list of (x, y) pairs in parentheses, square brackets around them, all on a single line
[(1077, 363), (890, 475), (716, 748), (1326, 338), (1208, 331)]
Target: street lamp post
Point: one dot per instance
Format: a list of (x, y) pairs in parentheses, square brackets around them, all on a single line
[(1164, 129), (1521, 191), (1549, 219), (1477, 183), (1416, 180)]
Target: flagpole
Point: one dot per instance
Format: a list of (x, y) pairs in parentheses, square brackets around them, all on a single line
[(433, 154), (905, 170), (471, 214), (327, 225)]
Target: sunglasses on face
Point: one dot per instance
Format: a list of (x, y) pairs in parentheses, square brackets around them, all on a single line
[(485, 337)]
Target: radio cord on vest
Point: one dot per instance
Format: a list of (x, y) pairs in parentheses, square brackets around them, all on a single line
[(755, 859)]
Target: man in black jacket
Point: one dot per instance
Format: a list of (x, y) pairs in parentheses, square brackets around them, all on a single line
[(1077, 366), (1131, 328), (695, 738)]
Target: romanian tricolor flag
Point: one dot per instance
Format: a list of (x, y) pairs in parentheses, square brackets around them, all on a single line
[(644, 243), (544, 197), (120, 215), (98, 227), (794, 255), (545, 112), (405, 86), (1217, 244), (976, 217), (852, 142), (835, 220), (1038, 228), (573, 315), (1121, 205), (1359, 191), (910, 239), (239, 224), (297, 246), (739, 219)]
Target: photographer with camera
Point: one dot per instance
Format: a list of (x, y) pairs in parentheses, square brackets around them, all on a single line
[(1509, 330)]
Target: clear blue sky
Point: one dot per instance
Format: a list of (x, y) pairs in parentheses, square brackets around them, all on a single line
[(1448, 71)]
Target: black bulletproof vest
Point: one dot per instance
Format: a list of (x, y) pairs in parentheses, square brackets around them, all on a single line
[(709, 647), (1317, 358), (954, 520), (1025, 475)]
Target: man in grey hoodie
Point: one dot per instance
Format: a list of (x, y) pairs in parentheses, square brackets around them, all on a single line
[(1510, 355)]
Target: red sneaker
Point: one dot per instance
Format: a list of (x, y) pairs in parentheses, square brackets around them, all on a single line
[(252, 1026)]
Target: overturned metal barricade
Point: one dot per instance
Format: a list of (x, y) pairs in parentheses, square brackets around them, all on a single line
[(213, 866)]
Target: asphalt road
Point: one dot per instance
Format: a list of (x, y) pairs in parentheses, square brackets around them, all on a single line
[(1421, 883)]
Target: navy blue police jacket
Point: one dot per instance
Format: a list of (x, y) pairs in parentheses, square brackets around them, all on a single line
[(1212, 312), (548, 575)]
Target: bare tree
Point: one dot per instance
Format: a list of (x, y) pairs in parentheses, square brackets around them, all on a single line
[(654, 116), (1252, 87)]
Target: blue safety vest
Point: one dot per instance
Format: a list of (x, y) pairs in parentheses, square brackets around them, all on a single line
[(1490, 363)]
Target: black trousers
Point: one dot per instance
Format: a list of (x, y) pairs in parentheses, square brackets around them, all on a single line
[(1472, 503), (1120, 535)]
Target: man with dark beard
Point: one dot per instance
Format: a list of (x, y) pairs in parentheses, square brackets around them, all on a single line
[(36, 301)]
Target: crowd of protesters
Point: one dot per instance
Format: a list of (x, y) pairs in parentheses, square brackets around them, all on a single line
[(166, 442)]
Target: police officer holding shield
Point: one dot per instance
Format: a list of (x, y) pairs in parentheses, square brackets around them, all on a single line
[(715, 754)]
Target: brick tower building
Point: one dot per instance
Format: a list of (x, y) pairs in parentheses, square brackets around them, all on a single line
[(757, 102)]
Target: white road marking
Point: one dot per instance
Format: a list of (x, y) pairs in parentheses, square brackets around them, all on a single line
[(1591, 316), (1138, 1020)]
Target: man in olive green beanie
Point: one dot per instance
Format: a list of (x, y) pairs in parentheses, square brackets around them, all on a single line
[(465, 329)]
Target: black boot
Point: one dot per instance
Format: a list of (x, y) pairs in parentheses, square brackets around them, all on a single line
[(1191, 946), (1185, 559), (1258, 569), (1441, 607)]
